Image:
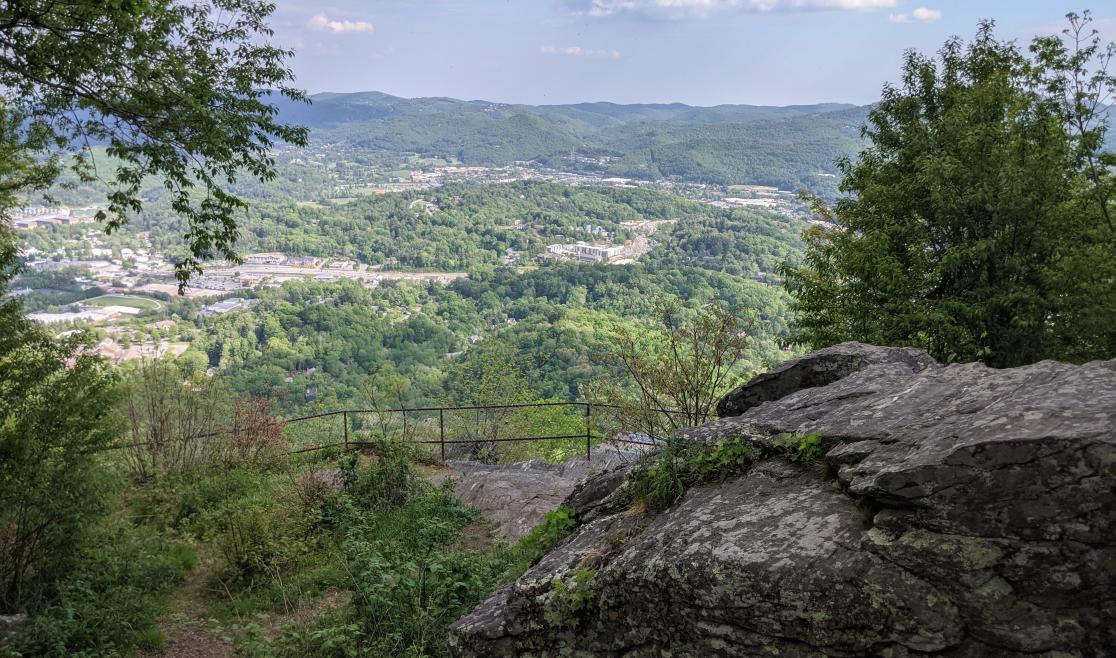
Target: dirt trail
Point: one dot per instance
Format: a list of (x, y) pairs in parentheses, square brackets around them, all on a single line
[(189, 634), (185, 627)]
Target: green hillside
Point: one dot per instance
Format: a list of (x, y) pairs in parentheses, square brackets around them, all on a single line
[(791, 147)]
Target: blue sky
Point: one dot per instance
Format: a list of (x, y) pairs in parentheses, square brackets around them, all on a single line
[(701, 52)]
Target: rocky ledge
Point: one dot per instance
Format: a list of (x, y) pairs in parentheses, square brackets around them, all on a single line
[(956, 511), (517, 496)]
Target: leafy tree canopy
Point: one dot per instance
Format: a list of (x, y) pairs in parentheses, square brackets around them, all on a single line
[(978, 222), (175, 90)]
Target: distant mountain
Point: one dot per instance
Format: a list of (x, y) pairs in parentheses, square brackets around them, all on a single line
[(790, 147)]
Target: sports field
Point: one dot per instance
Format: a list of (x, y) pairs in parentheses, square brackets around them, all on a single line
[(134, 301)]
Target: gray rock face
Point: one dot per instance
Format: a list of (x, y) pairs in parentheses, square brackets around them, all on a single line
[(517, 496), (818, 369), (959, 511)]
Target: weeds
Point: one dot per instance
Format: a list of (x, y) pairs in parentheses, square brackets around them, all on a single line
[(682, 464), (571, 597), (556, 526), (391, 532), (801, 448)]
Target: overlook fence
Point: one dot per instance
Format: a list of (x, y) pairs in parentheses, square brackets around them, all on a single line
[(445, 427)]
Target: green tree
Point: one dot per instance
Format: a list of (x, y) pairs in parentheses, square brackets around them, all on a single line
[(177, 93), (976, 223), (55, 405), (683, 363)]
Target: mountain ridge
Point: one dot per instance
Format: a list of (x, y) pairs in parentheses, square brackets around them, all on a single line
[(791, 147)]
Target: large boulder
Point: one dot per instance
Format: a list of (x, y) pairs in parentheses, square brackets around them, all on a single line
[(819, 369), (958, 511)]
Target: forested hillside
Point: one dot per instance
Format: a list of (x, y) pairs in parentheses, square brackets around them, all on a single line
[(336, 339), (469, 227), (790, 147)]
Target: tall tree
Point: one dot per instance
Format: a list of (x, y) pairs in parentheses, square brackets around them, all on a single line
[(176, 91), (977, 222), (56, 401)]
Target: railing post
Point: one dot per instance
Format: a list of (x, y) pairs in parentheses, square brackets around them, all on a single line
[(345, 420), (442, 432), (588, 432)]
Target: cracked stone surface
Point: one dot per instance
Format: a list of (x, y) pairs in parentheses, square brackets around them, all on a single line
[(959, 511)]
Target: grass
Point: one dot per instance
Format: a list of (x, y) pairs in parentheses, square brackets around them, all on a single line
[(132, 301)]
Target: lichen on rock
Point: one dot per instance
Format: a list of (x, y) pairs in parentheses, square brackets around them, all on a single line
[(958, 511)]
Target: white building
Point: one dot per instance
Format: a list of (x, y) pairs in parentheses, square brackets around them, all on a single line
[(266, 258), (225, 306)]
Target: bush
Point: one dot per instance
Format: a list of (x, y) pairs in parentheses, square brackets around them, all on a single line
[(387, 480), (256, 438), (251, 537), (168, 408), (407, 581), (108, 604), (199, 495)]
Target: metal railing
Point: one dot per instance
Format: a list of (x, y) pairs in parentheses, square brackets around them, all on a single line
[(442, 426)]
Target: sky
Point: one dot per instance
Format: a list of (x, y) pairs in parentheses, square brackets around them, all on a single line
[(699, 52)]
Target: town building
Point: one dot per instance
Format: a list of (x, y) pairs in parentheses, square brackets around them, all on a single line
[(267, 258), (224, 306)]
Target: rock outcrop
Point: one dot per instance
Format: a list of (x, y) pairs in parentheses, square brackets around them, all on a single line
[(819, 369), (517, 496), (958, 511)]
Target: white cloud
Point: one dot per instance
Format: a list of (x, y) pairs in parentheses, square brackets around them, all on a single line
[(323, 24), (920, 15), (578, 51), (706, 8)]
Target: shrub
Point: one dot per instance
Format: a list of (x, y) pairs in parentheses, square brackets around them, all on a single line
[(256, 438), (407, 585), (109, 602), (172, 413), (198, 496), (250, 535), (387, 480), (316, 493), (55, 406)]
